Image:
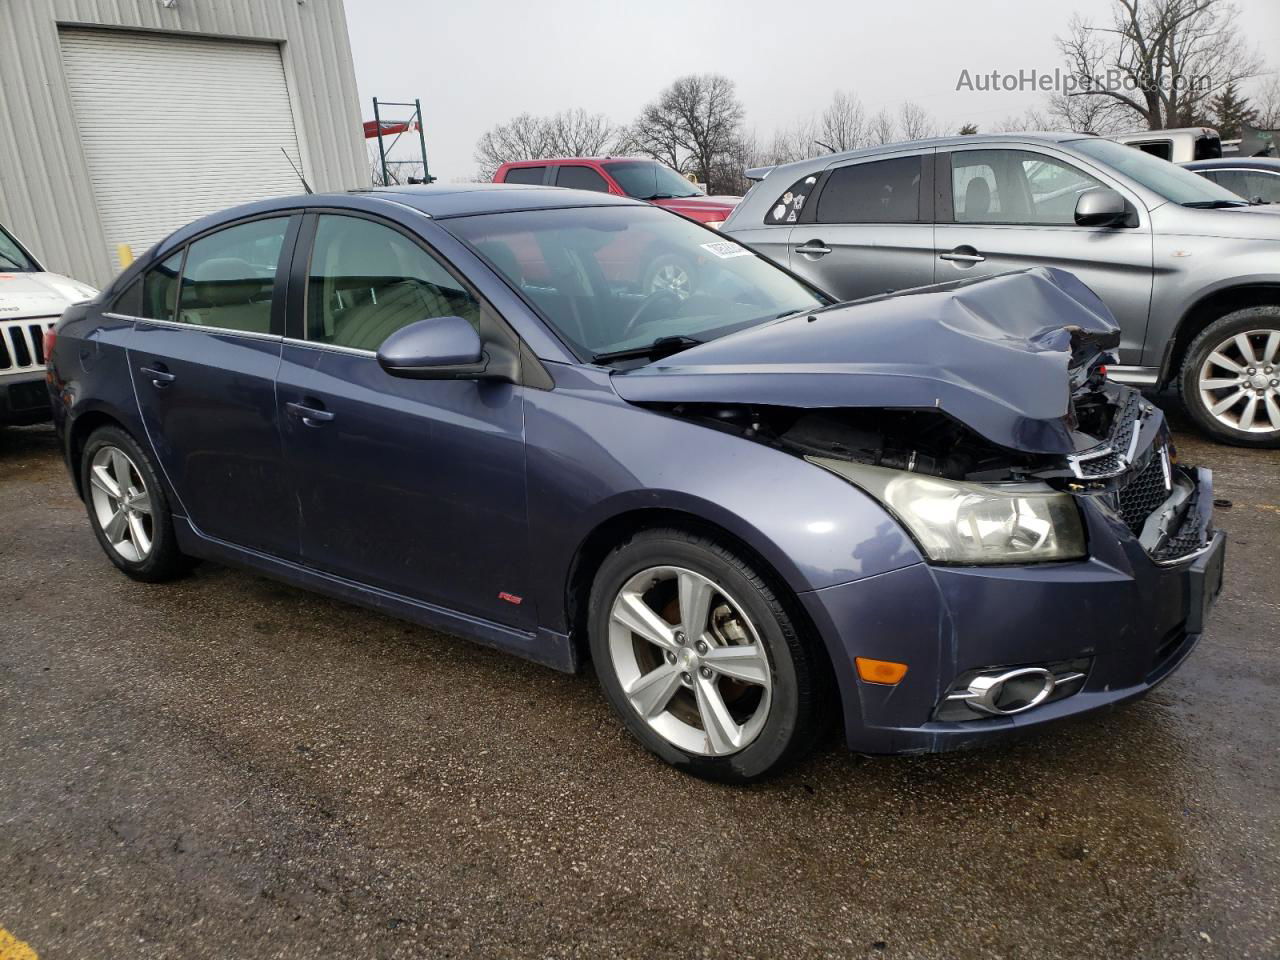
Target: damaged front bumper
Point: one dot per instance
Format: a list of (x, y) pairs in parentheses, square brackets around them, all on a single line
[(1106, 629)]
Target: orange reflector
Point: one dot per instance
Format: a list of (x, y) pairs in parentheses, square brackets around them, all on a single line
[(880, 671)]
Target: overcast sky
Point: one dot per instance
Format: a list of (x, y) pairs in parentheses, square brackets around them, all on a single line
[(474, 64)]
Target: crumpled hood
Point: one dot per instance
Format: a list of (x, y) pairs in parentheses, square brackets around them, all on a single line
[(39, 294), (993, 353)]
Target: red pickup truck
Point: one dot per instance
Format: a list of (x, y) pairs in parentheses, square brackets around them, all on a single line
[(625, 177)]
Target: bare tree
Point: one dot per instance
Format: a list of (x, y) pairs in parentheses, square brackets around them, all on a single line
[(882, 129), (692, 126), (569, 133), (1268, 101), (521, 138), (1030, 119), (576, 133), (916, 122), (1159, 61), (844, 122)]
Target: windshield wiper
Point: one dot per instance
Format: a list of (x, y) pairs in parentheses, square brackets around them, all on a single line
[(662, 347), (1215, 204)]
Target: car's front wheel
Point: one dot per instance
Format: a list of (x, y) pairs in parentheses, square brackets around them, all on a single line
[(1230, 378), (701, 659), (128, 509)]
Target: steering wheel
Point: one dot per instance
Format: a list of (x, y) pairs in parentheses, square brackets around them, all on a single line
[(638, 318)]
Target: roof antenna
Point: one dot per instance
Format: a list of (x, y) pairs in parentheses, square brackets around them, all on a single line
[(306, 186)]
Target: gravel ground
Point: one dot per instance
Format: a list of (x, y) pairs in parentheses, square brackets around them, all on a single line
[(226, 767)]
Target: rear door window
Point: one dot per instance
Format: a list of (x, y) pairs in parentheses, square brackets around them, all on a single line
[(882, 191), (578, 177), (1157, 148), (160, 289), (525, 175), (230, 275)]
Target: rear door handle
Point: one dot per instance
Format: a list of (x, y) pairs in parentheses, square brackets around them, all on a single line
[(963, 257), (310, 416), (160, 378), (814, 248)]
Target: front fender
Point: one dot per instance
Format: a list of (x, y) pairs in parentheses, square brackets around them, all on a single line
[(592, 457), (1191, 270)]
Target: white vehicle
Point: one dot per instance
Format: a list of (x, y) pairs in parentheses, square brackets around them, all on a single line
[(1177, 146), (31, 300)]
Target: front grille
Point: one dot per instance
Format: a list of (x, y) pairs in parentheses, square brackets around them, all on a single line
[(22, 344), (1111, 458), (1141, 495), (1188, 538)]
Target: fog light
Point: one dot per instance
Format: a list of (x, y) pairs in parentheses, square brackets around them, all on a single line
[(880, 671), (1006, 691)]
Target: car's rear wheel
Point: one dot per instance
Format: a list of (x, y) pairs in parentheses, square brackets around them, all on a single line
[(700, 658), (1230, 378), (127, 507)]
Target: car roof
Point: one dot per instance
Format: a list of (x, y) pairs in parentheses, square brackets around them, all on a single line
[(933, 142), (545, 161), (1252, 163), (464, 199)]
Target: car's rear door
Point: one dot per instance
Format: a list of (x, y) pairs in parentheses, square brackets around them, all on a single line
[(204, 358), (1006, 209), (870, 230), (416, 487)]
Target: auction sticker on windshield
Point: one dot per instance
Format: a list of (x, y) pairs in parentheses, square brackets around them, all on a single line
[(726, 249)]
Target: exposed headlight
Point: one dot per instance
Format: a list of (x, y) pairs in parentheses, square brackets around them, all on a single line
[(713, 224), (958, 522)]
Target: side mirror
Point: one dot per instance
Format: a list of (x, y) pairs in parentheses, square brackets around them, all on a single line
[(1102, 207), (438, 348)]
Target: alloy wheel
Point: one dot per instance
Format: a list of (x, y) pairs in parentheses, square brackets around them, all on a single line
[(690, 661), (121, 504), (1239, 382)]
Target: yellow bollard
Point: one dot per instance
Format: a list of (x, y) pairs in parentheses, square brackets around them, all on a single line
[(124, 253)]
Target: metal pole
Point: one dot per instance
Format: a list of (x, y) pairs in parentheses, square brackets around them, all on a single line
[(382, 152), (422, 140)]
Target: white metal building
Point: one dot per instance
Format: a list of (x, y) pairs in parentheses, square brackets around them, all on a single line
[(121, 120)]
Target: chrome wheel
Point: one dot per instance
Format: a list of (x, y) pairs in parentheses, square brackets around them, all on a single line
[(673, 277), (121, 504), (690, 661), (1239, 382)]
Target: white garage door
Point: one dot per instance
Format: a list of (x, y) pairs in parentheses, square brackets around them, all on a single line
[(177, 127)]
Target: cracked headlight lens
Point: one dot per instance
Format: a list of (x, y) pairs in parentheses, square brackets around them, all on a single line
[(957, 522)]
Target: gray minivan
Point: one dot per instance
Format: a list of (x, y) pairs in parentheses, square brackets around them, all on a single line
[(1191, 271)]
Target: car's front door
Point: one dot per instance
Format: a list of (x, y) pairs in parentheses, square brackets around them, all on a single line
[(1007, 209), (416, 487), (869, 231), (204, 357)]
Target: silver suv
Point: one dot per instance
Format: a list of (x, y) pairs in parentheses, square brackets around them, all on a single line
[(1191, 271)]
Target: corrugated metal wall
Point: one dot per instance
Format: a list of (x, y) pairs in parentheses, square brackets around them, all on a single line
[(46, 196)]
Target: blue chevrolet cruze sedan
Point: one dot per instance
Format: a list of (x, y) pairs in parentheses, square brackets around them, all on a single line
[(580, 428)]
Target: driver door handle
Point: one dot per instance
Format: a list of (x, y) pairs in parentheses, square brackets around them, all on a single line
[(963, 257), (814, 248), (310, 416)]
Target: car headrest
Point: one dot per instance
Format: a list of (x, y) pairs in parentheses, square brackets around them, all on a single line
[(977, 198)]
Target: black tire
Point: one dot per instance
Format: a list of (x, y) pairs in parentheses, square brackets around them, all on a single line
[(164, 561), (1240, 321), (795, 713)]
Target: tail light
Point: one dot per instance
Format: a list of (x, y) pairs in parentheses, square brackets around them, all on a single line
[(49, 338)]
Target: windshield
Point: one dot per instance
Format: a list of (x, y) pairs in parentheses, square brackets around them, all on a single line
[(618, 278), (649, 180), (12, 259), (1160, 176)]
